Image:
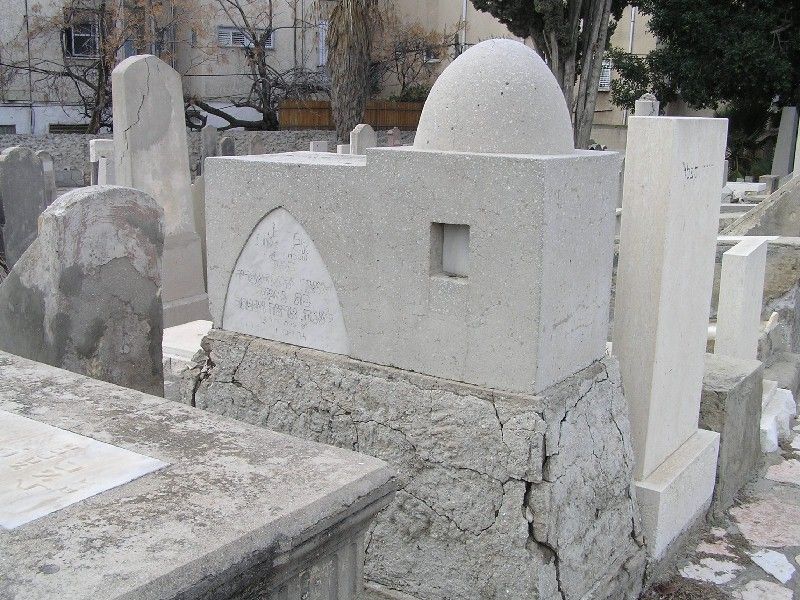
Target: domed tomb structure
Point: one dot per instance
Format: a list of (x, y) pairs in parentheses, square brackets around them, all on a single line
[(456, 293), (498, 97)]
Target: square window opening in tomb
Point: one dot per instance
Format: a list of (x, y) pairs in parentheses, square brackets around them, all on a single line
[(449, 250)]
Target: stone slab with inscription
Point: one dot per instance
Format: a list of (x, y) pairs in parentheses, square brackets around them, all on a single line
[(234, 511), (44, 468)]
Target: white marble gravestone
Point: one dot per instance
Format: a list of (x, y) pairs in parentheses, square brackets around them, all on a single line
[(281, 290), (44, 469)]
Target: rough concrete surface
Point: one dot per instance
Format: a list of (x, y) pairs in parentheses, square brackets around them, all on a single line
[(779, 214), (86, 296), (731, 405), (501, 495), (235, 506)]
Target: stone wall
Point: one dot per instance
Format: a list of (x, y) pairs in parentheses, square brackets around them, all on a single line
[(501, 495), (70, 151)]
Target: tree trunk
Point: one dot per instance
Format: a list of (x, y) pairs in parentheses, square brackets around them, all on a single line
[(593, 49)]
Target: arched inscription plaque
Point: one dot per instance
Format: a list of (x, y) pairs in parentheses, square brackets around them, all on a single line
[(281, 290)]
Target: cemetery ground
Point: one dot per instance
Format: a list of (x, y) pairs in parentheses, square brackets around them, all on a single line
[(480, 364)]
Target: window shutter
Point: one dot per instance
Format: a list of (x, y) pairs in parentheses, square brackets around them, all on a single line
[(604, 85)]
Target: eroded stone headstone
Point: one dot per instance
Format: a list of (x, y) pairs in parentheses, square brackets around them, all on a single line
[(86, 295), (343, 149), (393, 137), (23, 195), (105, 172), (318, 146), (48, 170), (257, 145), (152, 155), (227, 146), (361, 138)]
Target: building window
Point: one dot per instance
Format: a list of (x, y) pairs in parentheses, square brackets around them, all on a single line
[(8, 129), (605, 76), (81, 37), (322, 44), (67, 128), (234, 37)]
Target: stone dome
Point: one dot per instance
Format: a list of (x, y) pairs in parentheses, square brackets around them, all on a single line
[(499, 97)]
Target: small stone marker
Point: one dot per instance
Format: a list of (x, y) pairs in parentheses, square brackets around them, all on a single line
[(152, 155), (343, 149), (257, 145), (785, 145), (741, 290), (44, 469), (209, 142), (23, 195), (361, 138), (98, 149), (281, 274), (646, 106), (393, 137), (318, 146), (49, 175), (105, 172), (668, 236), (227, 146), (86, 295)]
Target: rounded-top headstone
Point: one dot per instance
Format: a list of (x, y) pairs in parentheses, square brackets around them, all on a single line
[(498, 97)]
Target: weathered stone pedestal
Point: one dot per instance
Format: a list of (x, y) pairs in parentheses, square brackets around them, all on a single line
[(219, 510), (502, 495)]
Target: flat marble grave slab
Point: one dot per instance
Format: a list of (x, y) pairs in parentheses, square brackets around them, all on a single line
[(44, 469)]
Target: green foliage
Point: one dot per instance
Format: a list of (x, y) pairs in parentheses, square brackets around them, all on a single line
[(751, 140), (743, 52), (636, 76)]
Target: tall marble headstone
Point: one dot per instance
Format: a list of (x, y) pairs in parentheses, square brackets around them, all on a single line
[(48, 169), (23, 195), (361, 138), (673, 174), (86, 296), (785, 145), (151, 155), (209, 140)]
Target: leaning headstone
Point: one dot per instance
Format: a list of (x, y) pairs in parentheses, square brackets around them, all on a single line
[(99, 149), (343, 149), (646, 106), (673, 169), (771, 181), (23, 195), (152, 155), (361, 138), (257, 145), (49, 175), (786, 144), (86, 296), (318, 146), (741, 289), (397, 271), (393, 137), (227, 146)]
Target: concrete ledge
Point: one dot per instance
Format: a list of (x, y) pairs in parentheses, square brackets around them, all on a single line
[(678, 492), (237, 512)]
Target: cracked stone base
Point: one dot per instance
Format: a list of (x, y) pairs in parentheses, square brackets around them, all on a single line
[(678, 492), (501, 495)]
